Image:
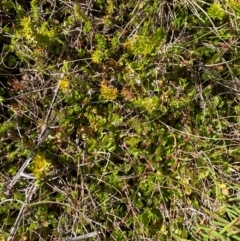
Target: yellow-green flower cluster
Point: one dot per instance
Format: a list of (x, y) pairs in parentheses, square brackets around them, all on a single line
[(64, 84), (108, 93), (40, 165)]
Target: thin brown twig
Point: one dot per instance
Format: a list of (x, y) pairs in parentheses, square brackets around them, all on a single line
[(29, 195), (31, 155), (81, 237)]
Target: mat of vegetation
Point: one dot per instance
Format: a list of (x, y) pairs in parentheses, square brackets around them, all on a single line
[(120, 120)]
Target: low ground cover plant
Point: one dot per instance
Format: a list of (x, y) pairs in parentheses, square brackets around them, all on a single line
[(119, 120)]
